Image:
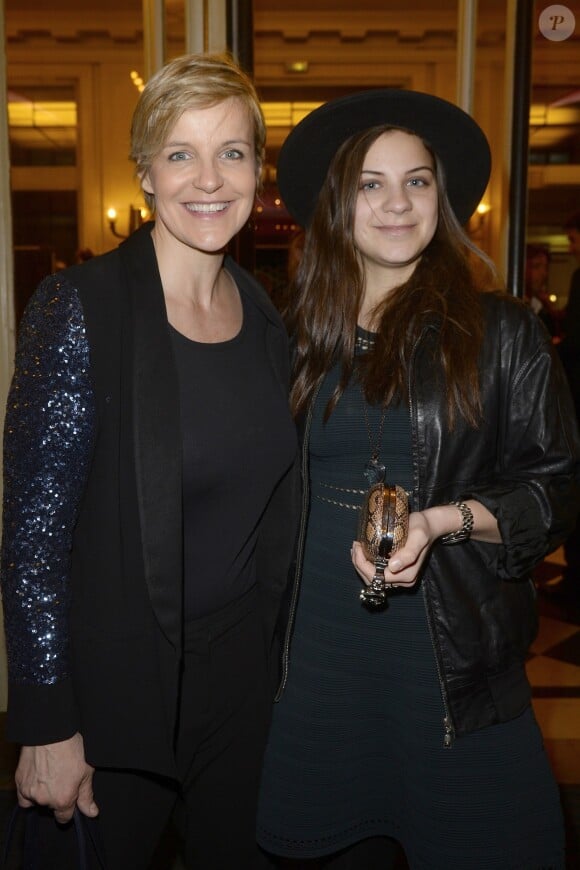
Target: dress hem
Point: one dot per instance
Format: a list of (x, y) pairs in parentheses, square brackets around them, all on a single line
[(323, 846)]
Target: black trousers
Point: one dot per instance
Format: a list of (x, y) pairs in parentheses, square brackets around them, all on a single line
[(226, 700)]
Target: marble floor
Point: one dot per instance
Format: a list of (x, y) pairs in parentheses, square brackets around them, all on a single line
[(554, 671)]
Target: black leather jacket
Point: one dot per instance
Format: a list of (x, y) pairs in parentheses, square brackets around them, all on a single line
[(523, 464)]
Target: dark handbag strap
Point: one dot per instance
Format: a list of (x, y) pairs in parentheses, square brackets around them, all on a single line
[(85, 830)]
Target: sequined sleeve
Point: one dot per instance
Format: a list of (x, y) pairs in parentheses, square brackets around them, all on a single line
[(48, 441)]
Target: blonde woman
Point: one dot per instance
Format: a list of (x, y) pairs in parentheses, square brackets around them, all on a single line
[(148, 515)]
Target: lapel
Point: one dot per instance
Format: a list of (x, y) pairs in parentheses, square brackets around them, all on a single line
[(156, 433), (276, 340)]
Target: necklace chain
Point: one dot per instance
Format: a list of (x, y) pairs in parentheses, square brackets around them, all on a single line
[(376, 447), (374, 469)]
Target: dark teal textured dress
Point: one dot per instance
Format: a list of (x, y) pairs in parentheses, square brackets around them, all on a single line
[(357, 742)]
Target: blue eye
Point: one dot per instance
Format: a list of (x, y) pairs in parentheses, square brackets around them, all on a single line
[(179, 155), (233, 154), (369, 185)]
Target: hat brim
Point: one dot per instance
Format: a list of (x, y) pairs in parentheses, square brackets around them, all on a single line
[(458, 142)]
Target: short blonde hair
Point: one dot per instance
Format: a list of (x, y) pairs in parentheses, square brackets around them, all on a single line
[(192, 81)]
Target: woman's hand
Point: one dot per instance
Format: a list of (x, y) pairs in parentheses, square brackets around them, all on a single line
[(424, 529), (405, 564), (56, 776)]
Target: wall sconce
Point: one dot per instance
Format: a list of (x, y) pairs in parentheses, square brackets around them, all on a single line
[(478, 220), (297, 66), (136, 218)]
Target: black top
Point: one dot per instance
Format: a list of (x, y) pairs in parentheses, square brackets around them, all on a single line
[(238, 439)]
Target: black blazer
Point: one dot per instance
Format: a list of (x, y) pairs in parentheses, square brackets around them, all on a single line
[(126, 564)]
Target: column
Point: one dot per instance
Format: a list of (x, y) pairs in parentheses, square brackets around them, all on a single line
[(518, 86), (6, 290), (206, 25), (466, 46), (153, 36)]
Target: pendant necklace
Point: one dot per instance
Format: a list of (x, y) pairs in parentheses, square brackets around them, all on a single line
[(374, 468)]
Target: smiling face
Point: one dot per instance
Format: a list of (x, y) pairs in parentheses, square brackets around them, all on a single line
[(204, 178), (396, 209)]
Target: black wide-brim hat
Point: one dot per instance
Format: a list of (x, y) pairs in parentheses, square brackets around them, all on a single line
[(458, 142)]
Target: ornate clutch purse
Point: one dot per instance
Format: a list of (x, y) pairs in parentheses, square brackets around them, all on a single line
[(383, 528)]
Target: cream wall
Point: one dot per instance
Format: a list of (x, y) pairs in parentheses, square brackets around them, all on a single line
[(118, 187), (106, 98)]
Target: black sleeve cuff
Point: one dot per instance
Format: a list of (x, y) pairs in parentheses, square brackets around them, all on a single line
[(38, 715), (522, 527)]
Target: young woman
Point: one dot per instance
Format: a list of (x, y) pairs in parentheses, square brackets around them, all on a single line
[(149, 502), (412, 722)]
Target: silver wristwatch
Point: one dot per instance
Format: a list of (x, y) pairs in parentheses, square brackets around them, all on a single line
[(463, 533)]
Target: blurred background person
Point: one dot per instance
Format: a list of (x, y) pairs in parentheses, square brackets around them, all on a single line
[(572, 310), (83, 254), (536, 292)]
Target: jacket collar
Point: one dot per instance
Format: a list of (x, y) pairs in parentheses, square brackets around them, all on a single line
[(253, 291)]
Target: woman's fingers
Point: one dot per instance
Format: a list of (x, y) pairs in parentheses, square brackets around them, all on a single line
[(366, 570)]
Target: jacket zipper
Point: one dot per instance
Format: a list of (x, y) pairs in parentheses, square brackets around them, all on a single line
[(300, 548), (448, 729)]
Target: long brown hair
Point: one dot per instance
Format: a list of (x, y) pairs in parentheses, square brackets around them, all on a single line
[(328, 290)]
